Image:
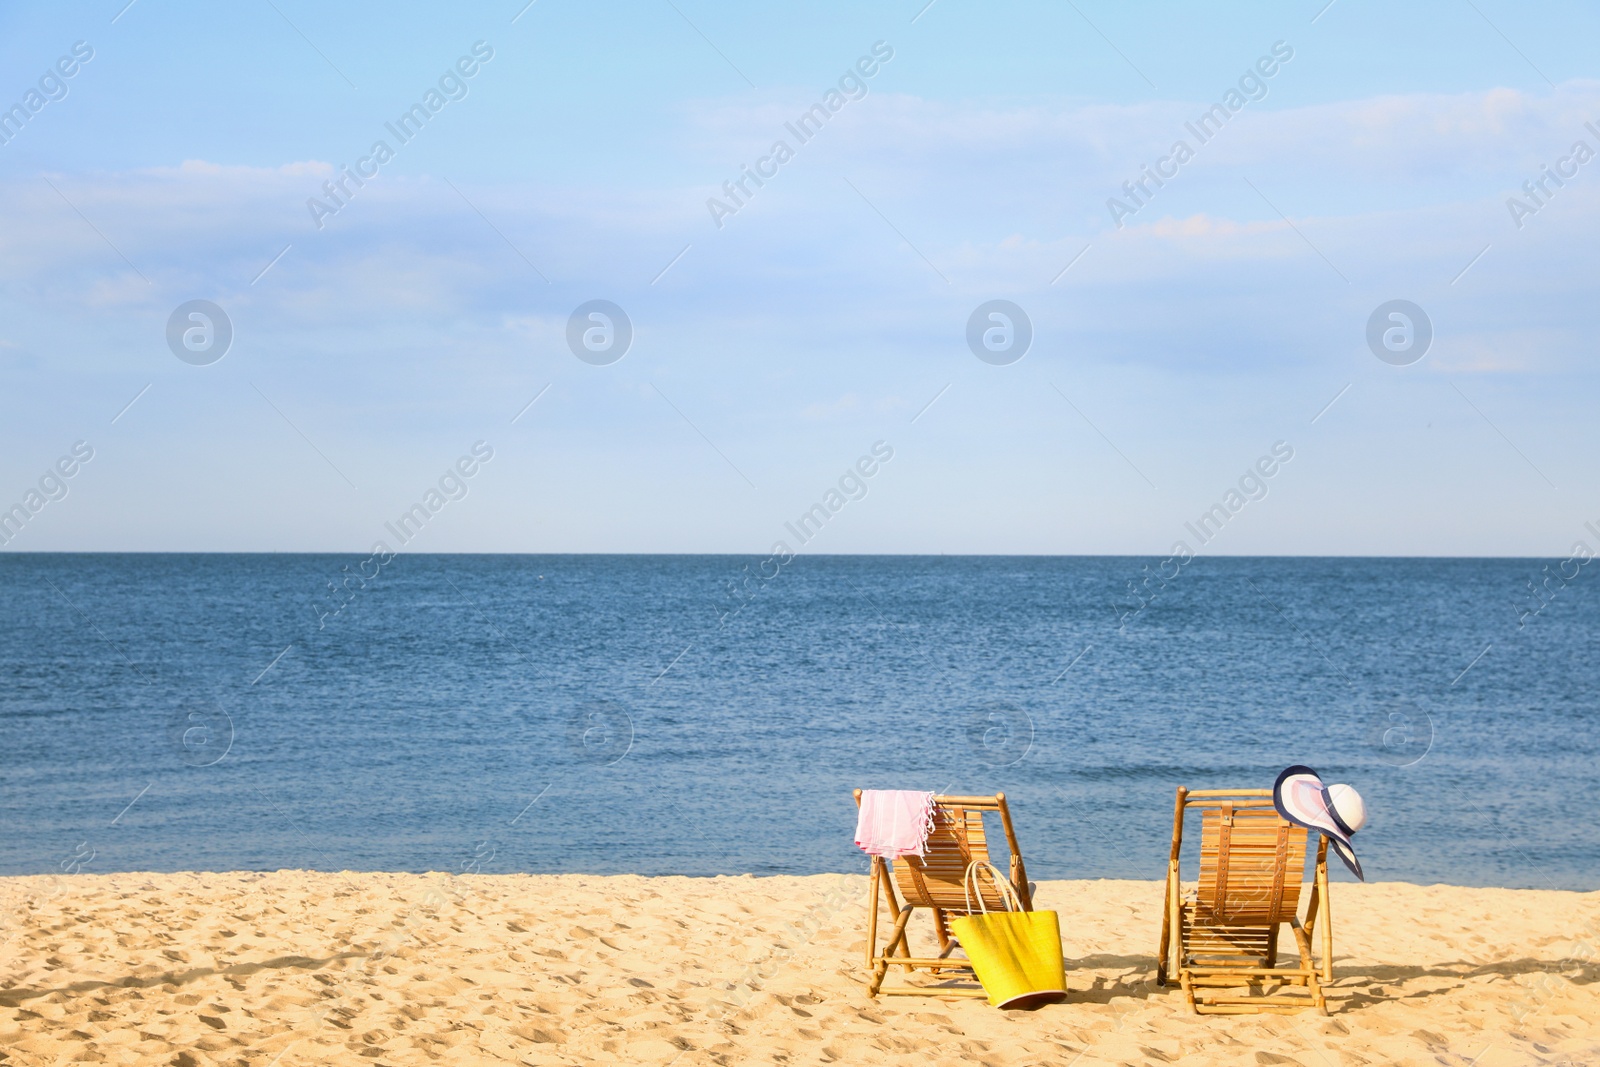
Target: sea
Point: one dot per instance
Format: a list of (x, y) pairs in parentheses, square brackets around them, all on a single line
[(705, 715)]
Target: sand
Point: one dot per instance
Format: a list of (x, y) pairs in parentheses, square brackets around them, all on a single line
[(298, 967)]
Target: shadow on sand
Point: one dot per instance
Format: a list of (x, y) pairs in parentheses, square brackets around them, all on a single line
[(1353, 987), (12, 998)]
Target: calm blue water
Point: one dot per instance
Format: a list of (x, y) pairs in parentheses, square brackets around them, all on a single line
[(601, 714)]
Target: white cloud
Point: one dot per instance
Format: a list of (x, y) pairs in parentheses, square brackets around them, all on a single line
[(848, 404), (999, 197)]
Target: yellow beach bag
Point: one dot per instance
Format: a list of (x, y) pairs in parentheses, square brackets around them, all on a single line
[(1016, 954)]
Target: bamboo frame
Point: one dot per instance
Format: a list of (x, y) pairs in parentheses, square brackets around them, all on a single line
[(1203, 950), (896, 950)]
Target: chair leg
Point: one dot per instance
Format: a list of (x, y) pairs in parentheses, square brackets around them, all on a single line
[(872, 908), (1303, 943), (879, 970), (1327, 921), (1174, 922), (900, 941), (1313, 985), (1166, 933), (894, 909), (1169, 905), (880, 965)]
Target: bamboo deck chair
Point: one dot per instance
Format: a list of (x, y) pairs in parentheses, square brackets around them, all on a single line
[(1226, 935), (935, 883)]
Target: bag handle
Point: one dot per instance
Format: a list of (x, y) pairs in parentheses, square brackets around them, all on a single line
[(969, 885)]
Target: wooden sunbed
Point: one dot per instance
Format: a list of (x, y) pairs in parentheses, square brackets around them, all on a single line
[(1225, 936), (934, 883)]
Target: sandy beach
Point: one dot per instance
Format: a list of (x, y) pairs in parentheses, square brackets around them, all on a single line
[(298, 967)]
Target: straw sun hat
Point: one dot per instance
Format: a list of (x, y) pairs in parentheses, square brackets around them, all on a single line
[(1334, 811)]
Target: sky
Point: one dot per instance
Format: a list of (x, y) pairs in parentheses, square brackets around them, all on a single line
[(1180, 333)]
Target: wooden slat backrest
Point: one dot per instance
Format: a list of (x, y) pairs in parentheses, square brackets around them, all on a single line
[(935, 881), (1251, 864)]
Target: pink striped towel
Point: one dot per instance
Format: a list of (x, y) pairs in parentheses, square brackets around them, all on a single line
[(894, 822)]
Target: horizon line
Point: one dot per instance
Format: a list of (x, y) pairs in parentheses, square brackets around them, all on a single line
[(764, 552)]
